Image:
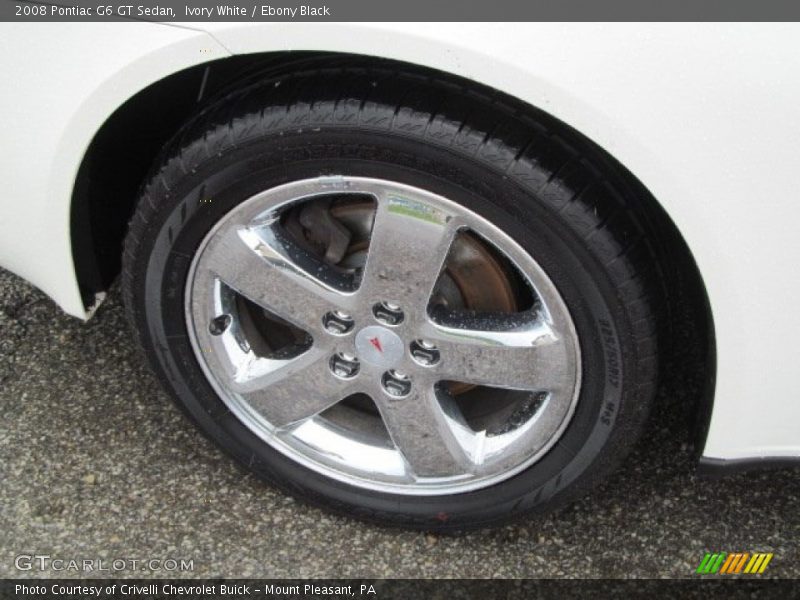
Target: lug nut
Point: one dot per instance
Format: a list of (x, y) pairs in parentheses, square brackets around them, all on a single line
[(388, 313), (396, 384), (337, 322), (424, 352), (344, 365), (219, 324)]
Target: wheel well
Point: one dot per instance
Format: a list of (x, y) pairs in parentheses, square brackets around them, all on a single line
[(124, 149)]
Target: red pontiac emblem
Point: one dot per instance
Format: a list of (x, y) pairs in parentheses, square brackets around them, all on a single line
[(377, 343)]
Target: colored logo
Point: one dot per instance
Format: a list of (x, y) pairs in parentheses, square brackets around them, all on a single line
[(379, 347), (377, 343), (734, 563)]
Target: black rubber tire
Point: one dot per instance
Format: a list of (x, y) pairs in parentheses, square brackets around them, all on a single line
[(544, 185)]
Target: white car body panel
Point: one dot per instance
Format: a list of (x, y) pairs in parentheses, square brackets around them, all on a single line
[(63, 85), (707, 116)]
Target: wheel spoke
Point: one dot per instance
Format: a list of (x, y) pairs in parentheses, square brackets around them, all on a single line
[(531, 356), (435, 442), (270, 271), (292, 391), (409, 244)]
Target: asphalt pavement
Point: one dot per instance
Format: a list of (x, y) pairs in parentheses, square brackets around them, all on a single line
[(97, 464)]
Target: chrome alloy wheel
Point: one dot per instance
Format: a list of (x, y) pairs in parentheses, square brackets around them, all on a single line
[(367, 386)]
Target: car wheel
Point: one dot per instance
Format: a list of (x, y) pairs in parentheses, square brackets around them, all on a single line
[(396, 298)]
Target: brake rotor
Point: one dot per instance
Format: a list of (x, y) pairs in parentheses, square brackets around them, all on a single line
[(473, 278)]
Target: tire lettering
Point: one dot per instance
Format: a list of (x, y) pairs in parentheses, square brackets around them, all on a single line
[(612, 352)]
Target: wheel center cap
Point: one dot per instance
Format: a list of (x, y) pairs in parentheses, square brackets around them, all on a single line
[(379, 346)]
